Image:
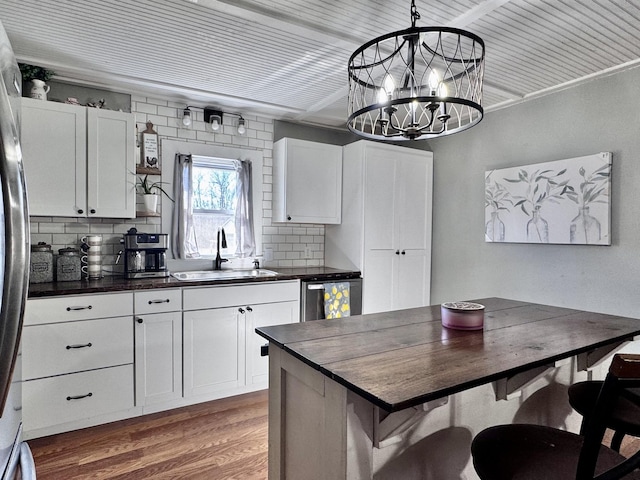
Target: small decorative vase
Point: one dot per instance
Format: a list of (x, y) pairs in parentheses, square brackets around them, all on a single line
[(150, 202), (584, 229), (537, 228), (39, 89), (494, 230)]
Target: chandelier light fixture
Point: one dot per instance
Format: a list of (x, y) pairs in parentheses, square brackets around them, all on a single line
[(418, 83)]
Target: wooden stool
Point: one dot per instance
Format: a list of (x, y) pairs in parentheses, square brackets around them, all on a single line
[(537, 452)]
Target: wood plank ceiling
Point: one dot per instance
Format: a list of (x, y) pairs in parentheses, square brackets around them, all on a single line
[(287, 58)]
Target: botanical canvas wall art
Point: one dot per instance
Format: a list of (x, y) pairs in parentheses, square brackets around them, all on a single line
[(561, 202)]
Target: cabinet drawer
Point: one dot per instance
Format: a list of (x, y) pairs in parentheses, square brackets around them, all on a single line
[(75, 346), (157, 301), (247, 294), (78, 307), (57, 400)]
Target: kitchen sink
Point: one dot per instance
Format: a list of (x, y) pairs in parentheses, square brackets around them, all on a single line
[(206, 275)]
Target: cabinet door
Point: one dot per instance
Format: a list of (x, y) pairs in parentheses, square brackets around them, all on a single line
[(307, 182), (158, 339), (54, 154), (413, 199), (213, 350), (111, 164), (379, 280), (263, 316)]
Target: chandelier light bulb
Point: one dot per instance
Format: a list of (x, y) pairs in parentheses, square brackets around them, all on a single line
[(382, 96), (215, 124), (186, 117), (434, 81), (443, 91), (389, 85)]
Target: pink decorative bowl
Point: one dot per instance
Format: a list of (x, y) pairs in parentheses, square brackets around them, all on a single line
[(462, 315)]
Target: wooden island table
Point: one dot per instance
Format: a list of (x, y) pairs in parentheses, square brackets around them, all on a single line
[(396, 395)]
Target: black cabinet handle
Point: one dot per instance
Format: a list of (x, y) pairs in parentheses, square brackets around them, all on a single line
[(93, 210), (83, 345), (72, 309), (264, 350), (166, 300), (241, 310), (288, 217), (78, 397), (80, 211), (397, 252), (403, 252), (139, 320), (249, 309)]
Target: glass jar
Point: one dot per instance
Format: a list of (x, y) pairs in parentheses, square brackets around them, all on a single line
[(68, 267), (41, 265)]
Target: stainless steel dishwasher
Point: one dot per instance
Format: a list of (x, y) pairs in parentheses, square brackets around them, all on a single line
[(312, 295)]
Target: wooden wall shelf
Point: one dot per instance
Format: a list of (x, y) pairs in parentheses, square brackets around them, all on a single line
[(147, 170)]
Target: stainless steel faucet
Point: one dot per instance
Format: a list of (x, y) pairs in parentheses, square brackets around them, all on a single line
[(217, 265)]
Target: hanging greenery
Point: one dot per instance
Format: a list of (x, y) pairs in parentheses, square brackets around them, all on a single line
[(33, 72)]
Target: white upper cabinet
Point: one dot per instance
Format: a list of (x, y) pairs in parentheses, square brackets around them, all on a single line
[(307, 182), (78, 161)]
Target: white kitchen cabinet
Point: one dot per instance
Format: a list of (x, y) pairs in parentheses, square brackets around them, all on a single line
[(78, 359), (221, 348), (158, 346), (78, 161), (307, 182), (386, 224), (264, 315), (213, 350)]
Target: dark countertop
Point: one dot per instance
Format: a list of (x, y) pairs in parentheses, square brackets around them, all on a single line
[(402, 359), (117, 283)]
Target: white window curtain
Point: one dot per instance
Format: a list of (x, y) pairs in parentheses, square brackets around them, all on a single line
[(245, 243), (184, 244)]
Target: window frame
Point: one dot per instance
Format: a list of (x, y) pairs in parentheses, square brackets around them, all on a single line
[(171, 147)]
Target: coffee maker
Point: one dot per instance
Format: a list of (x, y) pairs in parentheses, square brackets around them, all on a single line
[(145, 254)]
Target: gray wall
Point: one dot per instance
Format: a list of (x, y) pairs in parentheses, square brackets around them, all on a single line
[(599, 116)]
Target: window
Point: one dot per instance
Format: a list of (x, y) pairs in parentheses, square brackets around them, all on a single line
[(213, 210), (214, 202)]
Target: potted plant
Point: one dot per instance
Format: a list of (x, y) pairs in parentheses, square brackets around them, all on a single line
[(149, 191), (37, 76)]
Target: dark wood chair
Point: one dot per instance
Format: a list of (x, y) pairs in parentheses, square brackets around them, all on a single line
[(625, 417), (537, 452)]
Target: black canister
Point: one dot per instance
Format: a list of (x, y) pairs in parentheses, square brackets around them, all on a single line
[(68, 266), (41, 265)]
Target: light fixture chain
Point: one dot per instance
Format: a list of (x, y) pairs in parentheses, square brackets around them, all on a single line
[(415, 15)]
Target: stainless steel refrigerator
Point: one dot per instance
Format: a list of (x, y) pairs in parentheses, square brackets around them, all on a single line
[(16, 461)]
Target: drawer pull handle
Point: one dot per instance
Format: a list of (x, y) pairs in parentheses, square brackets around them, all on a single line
[(249, 309), (241, 310), (166, 300), (84, 345), (79, 397), (70, 309)]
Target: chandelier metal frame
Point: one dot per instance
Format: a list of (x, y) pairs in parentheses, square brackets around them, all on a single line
[(416, 83)]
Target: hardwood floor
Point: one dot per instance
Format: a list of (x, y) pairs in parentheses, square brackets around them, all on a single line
[(223, 439), (220, 440)]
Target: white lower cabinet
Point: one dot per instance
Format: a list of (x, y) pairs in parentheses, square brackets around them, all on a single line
[(221, 348), (77, 362), (214, 350), (158, 346), (91, 359), (265, 315)]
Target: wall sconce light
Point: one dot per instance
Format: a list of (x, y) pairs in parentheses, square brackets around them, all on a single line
[(186, 117), (213, 118)]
